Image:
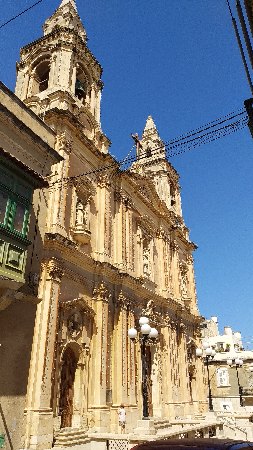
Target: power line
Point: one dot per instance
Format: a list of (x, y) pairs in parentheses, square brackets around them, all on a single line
[(20, 14), (186, 144), (208, 126)]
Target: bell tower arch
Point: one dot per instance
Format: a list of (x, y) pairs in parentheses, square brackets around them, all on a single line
[(58, 71)]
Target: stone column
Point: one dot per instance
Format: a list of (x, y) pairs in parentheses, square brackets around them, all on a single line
[(93, 99), (159, 275), (129, 234), (59, 188), (183, 369), (118, 229), (99, 363), (52, 71), (120, 354), (97, 107), (174, 273), (191, 282), (39, 414), (103, 221), (73, 80)]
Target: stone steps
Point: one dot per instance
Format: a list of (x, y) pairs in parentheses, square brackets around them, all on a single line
[(69, 437)]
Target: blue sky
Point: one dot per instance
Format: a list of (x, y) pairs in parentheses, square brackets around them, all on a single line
[(178, 61)]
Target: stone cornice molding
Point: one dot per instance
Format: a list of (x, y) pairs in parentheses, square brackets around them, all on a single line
[(71, 254), (63, 37)]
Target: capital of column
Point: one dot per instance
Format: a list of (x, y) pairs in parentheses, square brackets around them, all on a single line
[(63, 143), (55, 270), (123, 302), (101, 293)]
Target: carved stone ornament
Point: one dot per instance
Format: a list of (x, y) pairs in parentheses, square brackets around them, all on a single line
[(156, 317), (64, 143), (101, 293), (123, 302), (80, 303), (174, 245), (75, 324), (103, 180), (55, 269)]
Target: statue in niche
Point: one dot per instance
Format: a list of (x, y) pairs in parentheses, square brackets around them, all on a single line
[(146, 262), (183, 281), (81, 214)]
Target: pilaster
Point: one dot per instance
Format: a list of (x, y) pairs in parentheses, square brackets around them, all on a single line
[(39, 423), (123, 355), (99, 363), (59, 188), (103, 218), (175, 269)]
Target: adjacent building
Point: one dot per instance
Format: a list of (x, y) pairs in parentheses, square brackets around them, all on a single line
[(230, 379), (26, 156)]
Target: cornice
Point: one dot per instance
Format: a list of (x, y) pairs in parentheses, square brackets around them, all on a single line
[(69, 252), (57, 33)]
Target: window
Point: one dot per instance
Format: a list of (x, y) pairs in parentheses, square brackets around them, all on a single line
[(81, 85), (42, 72), (15, 199), (222, 377)]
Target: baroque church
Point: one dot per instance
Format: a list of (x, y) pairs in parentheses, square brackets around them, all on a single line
[(113, 247)]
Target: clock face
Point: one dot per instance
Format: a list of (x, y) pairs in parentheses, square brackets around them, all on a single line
[(75, 324)]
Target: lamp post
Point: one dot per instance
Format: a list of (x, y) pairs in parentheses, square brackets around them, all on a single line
[(238, 363), (146, 333), (207, 353)]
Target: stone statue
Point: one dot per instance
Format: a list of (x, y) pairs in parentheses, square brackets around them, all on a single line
[(79, 213), (146, 255)]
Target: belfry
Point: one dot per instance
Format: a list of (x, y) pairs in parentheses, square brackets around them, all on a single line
[(113, 247)]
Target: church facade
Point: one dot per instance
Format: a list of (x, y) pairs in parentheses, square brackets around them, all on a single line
[(115, 248)]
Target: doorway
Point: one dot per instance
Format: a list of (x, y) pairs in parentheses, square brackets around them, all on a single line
[(69, 365)]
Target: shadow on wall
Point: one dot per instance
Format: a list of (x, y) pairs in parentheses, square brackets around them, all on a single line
[(16, 335)]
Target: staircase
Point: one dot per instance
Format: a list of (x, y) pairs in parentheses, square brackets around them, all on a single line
[(68, 437)]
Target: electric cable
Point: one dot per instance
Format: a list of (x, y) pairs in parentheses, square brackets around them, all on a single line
[(188, 145), (20, 14)]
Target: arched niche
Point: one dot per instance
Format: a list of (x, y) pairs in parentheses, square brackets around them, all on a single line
[(70, 383), (82, 85), (40, 76)]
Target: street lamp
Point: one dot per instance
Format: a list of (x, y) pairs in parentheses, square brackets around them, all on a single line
[(146, 332), (207, 353), (238, 363)]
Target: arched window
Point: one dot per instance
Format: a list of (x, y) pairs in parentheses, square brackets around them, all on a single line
[(40, 77), (81, 85)]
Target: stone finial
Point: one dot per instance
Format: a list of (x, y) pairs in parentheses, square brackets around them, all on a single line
[(150, 125), (151, 141), (71, 2)]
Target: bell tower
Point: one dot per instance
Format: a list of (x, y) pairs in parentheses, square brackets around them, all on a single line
[(59, 72), (152, 163)]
